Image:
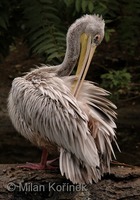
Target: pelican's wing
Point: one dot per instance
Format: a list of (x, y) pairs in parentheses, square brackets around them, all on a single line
[(100, 111), (101, 114), (49, 109)]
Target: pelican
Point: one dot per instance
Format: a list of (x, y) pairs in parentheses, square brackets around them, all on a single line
[(65, 114)]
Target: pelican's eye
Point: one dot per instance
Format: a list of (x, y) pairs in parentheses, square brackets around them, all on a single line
[(96, 39)]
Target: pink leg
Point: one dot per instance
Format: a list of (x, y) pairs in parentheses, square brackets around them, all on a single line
[(51, 161), (43, 163)]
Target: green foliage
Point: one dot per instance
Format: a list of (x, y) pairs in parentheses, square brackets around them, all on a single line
[(108, 33), (83, 6), (45, 32), (117, 81), (43, 23)]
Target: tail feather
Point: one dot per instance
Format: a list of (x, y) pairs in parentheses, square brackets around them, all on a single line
[(76, 170)]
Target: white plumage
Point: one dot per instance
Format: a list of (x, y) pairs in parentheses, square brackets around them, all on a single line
[(43, 109)]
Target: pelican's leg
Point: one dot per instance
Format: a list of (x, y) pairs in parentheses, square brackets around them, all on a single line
[(48, 166), (43, 163)]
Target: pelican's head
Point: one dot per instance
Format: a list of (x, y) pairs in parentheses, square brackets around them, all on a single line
[(94, 28), (91, 36)]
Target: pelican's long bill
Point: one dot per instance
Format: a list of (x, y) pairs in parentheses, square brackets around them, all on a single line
[(87, 51)]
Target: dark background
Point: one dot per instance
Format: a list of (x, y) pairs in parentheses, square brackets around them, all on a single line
[(34, 32)]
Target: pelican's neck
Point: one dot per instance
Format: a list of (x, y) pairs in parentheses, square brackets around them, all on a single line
[(85, 24), (72, 50)]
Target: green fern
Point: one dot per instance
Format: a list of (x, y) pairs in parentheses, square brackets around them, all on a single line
[(87, 6), (45, 22), (46, 34)]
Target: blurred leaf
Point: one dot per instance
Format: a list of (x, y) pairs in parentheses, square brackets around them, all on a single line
[(78, 5), (90, 6), (84, 5), (108, 33)]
